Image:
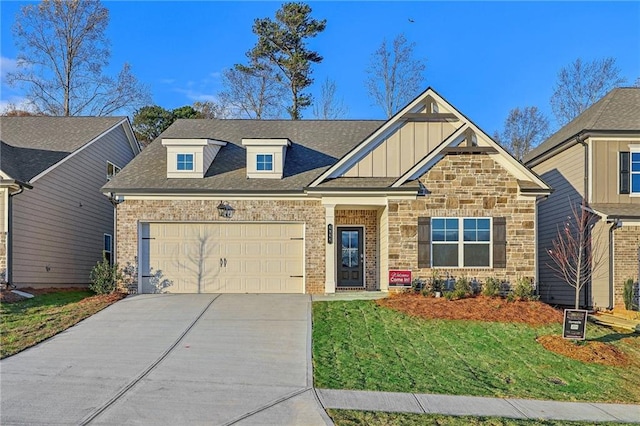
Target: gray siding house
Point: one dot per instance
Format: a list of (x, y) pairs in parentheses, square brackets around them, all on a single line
[(596, 157), (55, 223)]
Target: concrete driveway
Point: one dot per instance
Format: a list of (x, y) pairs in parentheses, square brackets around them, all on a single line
[(171, 359)]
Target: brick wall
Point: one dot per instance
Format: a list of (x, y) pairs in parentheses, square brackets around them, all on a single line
[(368, 219), (310, 212), (625, 257), (466, 186)]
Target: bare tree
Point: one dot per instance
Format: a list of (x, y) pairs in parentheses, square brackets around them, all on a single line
[(328, 106), (63, 50), (573, 250), (253, 91), (208, 109), (523, 130), (394, 74), (582, 83)]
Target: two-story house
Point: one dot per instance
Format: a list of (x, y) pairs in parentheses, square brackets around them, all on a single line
[(319, 206), (595, 157), (55, 224)]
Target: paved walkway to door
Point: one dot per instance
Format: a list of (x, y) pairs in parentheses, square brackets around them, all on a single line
[(171, 359)]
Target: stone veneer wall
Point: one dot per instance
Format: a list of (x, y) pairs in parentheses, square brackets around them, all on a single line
[(368, 219), (3, 255), (466, 186), (309, 212), (626, 241)]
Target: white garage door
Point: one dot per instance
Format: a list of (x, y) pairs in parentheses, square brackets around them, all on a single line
[(222, 258)]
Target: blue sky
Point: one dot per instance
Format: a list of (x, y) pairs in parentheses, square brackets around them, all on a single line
[(484, 57)]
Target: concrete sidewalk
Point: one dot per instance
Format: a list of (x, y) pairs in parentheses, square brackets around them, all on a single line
[(477, 406)]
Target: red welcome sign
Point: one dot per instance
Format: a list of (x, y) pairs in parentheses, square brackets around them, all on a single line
[(397, 277)]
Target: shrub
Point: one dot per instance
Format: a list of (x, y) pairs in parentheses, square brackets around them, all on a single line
[(462, 287), (491, 287), (459, 294), (418, 285), (627, 295), (448, 295), (523, 289), (104, 277)]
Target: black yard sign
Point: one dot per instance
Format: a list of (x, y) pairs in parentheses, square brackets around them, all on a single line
[(575, 324)]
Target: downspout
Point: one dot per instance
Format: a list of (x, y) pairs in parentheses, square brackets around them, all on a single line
[(581, 140), (9, 242), (615, 225)]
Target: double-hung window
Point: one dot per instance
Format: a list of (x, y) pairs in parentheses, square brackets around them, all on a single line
[(635, 172), (107, 250), (264, 162), (461, 242), (185, 162)]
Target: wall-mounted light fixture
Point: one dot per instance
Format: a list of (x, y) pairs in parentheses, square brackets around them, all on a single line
[(225, 210), (330, 233)]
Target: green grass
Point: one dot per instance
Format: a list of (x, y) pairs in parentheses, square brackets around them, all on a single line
[(369, 418), (359, 345), (30, 321)]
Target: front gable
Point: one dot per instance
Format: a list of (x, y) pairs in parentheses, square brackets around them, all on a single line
[(418, 137)]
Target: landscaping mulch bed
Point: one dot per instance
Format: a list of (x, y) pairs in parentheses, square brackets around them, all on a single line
[(495, 309), (586, 351), (479, 308), (7, 296)]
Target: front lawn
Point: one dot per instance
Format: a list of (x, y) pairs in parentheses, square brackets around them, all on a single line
[(31, 321), (360, 345), (368, 418)]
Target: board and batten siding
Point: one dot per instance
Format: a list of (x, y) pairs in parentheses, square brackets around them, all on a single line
[(402, 150), (565, 173), (58, 226), (605, 174)]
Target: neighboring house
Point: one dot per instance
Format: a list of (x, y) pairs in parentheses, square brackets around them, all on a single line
[(318, 206), (55, 223), (596, 157)]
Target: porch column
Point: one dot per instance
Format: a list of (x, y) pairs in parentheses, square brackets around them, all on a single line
[(330, 250)]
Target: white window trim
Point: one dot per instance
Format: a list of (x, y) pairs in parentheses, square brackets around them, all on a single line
[(193, 162), (633, 149), (116, 169), (270, 154), (461, 242)]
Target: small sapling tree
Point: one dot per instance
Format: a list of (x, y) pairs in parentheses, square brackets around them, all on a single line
[(573, 255)]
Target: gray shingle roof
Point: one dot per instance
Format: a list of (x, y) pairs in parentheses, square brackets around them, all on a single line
[(316, 145), (30, 145), (618, 110), (618, 210)]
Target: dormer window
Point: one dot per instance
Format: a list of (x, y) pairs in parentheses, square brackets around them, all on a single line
[(190, 158), (185, 162), (266, 157), (264, 162)]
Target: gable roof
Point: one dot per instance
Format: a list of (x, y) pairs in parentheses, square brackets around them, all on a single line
[(31, 145), (617, 111), (316, 145), (521, 172)]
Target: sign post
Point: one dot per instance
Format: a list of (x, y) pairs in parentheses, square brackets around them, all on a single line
[(399, 278), (575, 324)]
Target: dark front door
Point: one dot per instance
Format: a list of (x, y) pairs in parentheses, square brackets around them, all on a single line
[(350, 257)]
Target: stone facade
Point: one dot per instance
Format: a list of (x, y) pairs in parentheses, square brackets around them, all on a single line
[(368, 219), (131, 212), (3, 256), (626, 242), (466, 186)]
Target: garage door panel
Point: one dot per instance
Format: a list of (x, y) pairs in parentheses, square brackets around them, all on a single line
[(259, 257)]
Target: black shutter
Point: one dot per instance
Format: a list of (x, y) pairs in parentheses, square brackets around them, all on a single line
[(499, 242), (624, 172), (424, 242)]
